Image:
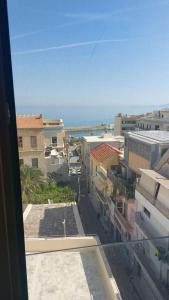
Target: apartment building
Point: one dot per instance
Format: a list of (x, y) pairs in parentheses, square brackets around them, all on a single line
[(90, 142), (152, 221), (144, 149), (31, 141), (54, 134), (157, 120), (122, 196), (125, 123), (101, 157)]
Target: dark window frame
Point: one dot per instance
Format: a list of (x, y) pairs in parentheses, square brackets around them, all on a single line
[(20, 142), (21, 161), (54, 138), (12, 258), (36, 165), (33, 141), (147, 212)]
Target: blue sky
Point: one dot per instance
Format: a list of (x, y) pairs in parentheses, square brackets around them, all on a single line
[(90, 52)]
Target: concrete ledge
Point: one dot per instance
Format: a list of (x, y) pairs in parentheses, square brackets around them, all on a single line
[(51, 244), (78, 220), (27, 211)]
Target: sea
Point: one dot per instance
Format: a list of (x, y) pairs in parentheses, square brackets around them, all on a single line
[(75, 116)]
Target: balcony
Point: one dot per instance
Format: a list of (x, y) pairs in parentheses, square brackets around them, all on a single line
[(101, 196), (159, 288), (102, 175), (122, 220), (159, 205), (123, 185)]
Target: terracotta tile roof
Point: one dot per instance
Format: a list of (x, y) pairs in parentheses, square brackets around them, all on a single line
[(104, 151), (29, 121)]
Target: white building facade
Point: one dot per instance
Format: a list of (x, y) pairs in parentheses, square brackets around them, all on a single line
[(152, 222)]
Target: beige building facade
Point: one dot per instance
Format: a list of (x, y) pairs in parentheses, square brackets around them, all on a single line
[(101, 158), (124, 123), (31, 141), (54, 134)]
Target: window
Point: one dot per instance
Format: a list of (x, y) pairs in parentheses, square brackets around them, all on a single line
[(54, 139), (35, 162), (20, 142), (33, 142), (157, 187), (147, 213), (21, 161), (96, 170), (163, 151)]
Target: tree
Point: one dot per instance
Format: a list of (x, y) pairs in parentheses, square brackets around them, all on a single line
[(31, 178), (37, 190)]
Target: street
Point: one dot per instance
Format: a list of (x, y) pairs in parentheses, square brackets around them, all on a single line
[(131, 287)]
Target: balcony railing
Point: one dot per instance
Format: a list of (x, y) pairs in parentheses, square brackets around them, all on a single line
[(146, 263), (123, 185), (122, 220), (101, 175), (100, 194)]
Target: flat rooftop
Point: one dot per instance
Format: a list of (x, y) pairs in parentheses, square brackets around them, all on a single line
[(153, 174), (157, 177), (47, 220), (105, 138), (65, 276), (152, 135)]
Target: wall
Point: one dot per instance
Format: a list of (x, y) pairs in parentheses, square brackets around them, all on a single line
[(61, 169), (54, 132), (27, 133), (117, 125), (39, 244), (27, 153), (163, 196), (157, 219), (136, 162), (147, 183), (158, 226)]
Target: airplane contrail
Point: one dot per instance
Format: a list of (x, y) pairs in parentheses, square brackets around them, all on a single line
[(72, 45), (22, 35)]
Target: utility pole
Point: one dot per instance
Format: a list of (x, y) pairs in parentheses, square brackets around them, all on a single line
[(64, 227)]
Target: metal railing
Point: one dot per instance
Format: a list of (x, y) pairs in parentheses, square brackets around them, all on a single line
[(122, 219), (123, 185)]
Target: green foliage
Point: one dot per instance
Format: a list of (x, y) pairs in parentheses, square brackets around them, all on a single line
[(52, 191), (31, 178), (37, 190)]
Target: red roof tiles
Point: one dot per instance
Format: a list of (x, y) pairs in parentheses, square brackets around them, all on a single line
[(28, 122), (104, 151)]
